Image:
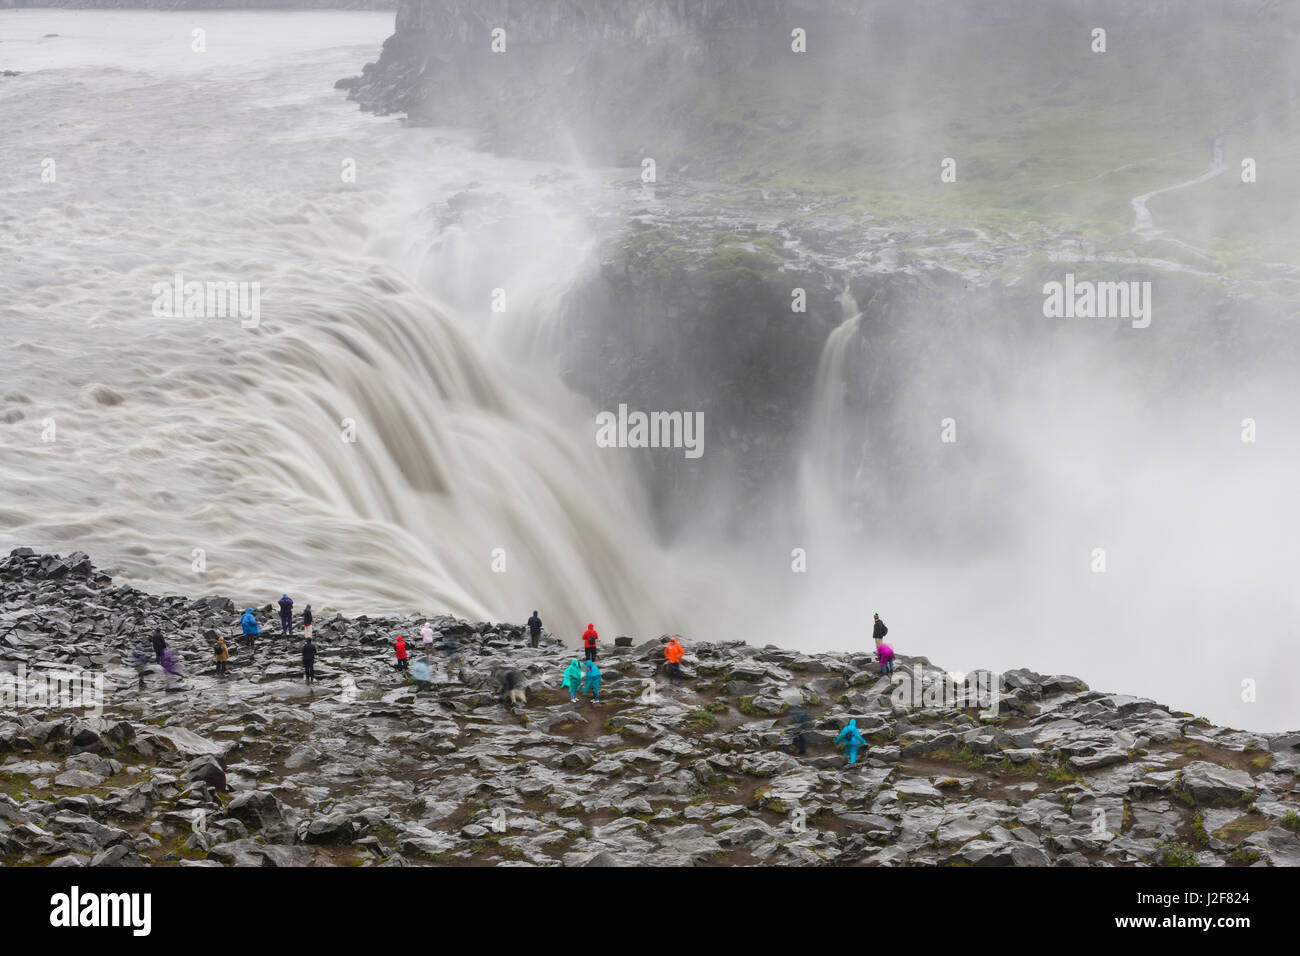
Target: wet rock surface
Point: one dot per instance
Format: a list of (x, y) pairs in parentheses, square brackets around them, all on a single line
[(368, 768)]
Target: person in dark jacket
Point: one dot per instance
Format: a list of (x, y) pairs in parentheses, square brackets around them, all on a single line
[(286, 615), (159, 645), (309, 660), (306, 621), (879, 630), (535, 628), (800, 723), (589, 638)]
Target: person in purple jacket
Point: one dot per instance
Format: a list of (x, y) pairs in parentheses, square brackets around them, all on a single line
[(886, 657), (286, 615)]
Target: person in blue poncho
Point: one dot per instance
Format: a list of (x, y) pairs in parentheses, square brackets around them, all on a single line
[(572, 680), (592, 680), (851, 739), (249, 624)]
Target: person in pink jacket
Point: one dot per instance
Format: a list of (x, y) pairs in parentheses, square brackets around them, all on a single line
[(886, 657)]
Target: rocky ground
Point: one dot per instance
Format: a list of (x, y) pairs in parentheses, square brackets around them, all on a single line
[(366, 769)]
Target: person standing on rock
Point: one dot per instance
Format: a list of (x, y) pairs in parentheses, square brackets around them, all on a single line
[(139, 658), (572, 680), (426, 638), (879, 630), (251, 629), (592, 680), (535, 628), (306, 622), (674, 654), (286, 616), (886, 656), (401, 653), (851, 739), (222, 654), (589, 638), (171, 665), (159, 645), (309, 661), (801, 723)]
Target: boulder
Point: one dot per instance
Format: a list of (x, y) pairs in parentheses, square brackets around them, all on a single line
[(207, 770), (1209, 784)]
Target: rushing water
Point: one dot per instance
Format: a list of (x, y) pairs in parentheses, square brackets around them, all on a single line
[(473, 483)]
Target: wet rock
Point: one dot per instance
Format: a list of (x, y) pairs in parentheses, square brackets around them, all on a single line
[(256, 808), (1209, 783), (206, 770)]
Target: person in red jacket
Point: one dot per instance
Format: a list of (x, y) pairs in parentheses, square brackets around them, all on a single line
[(674, 653), (401, 653), (589, 641)]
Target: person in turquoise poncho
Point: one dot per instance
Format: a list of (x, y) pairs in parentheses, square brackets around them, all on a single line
[(851, 739), (592, 680), (572, 680)]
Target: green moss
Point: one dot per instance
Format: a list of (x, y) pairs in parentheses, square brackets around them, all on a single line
[(1291, 820), (701, 717), (1242, 827), (1199, 836), (1177, 854), (962, 755), (1245, 856)]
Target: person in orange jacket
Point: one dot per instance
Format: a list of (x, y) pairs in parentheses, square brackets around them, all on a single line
[(674, 653), (589, 639), (401, 653)]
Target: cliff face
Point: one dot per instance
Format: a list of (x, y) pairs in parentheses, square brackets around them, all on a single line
[(122, 765)]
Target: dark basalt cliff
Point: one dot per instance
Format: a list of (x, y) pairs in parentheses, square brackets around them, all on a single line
[(368, 768)]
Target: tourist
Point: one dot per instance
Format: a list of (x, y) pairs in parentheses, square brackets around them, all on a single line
[(592, 680), (309, 661), (286, 615), (851, 739), (674, 653), (572, 679)]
